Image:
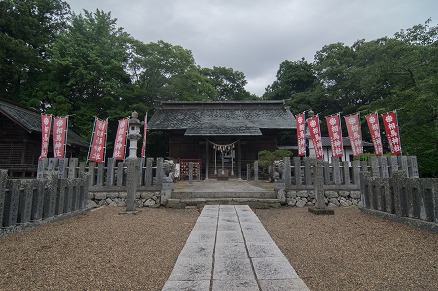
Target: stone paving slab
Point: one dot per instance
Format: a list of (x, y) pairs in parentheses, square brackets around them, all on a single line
[(229, 249)]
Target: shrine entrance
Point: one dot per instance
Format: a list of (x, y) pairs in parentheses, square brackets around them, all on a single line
[(223, 160)]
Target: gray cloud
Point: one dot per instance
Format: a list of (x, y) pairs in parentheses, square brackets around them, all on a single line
[(256, 36)]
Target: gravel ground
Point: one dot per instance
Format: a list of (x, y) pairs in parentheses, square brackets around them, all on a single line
[(103, 250), (354, 251)]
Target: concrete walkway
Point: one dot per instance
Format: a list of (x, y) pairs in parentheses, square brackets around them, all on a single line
[(229, 249)]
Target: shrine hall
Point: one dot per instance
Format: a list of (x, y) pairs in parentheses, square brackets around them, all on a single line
[(221, 137)]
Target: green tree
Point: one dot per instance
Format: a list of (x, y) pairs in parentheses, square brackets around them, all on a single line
[(28, 29), (89, 65), (229, 84)]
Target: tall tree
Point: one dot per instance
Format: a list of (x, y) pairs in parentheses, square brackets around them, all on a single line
[(28, 29), (229, 84), (89, 63)]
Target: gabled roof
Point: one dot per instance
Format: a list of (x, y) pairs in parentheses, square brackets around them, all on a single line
[(222, 118), (31, 121)]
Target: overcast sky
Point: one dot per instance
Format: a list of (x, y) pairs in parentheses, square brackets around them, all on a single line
[(255, 36)]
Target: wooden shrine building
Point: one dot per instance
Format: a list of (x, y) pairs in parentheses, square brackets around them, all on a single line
[(221, 135), (20, 141)]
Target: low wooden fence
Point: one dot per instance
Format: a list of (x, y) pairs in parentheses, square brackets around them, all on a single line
[(24, 201)]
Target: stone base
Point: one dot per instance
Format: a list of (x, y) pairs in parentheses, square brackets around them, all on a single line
[(323, 211)]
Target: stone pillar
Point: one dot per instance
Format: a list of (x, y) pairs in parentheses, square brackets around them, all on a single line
[(63, 168), (374, 163), (346, 166), (364, 188), (320, 207), (327, 171), (403, 162), (62, 197), (25, 209), (3, 182), (383, 167), (286, 173), (297, 171), (38, 200), (100, 173), (336, 171), (12, 203), (356, 171), (42, 165), (72, 168), (131, 182), (307, 171), (160, 172), (120, 173), (256, 170), (393, 163), (148, 173), (91, 167), (413, 167), (166, 191), (50, 196), (110, 172)]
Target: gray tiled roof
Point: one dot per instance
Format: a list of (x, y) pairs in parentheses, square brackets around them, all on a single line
[(31, 121), (222, 118)]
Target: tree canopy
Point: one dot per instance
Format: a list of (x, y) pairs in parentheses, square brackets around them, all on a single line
[(390, 73)]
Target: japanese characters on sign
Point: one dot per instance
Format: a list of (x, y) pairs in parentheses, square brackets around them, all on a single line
[(354, 132), (392, 133), (98, 142), (374, 127), (143, 148), (120, 142), (46, 122), (335, 134), (59, 136), (300, 121), (315, 134)]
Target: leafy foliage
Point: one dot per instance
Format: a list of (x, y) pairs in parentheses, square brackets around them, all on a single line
[(381, 75)]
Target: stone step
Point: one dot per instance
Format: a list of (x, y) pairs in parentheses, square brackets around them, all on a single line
[(201, 202), (224, 194)]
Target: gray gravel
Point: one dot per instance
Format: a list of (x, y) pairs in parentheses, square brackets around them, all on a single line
[(354, 251), (103, 250)]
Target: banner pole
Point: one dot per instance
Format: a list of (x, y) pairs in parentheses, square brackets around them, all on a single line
[(66, 135), (91, 140)]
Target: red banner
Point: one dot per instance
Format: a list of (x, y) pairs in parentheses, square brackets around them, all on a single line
[(97, 151), (301, 121), (392, 134), (46, 123), (374, 127), (315, 134), (335, 134), (59, 136), (120, 142), (354, 132), (143, 148)]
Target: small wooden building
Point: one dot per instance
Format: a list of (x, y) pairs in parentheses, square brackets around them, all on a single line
[(20, 141), (222, 135)]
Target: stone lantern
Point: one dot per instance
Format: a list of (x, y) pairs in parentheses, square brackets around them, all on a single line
[(132, 162), (134, 134)]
